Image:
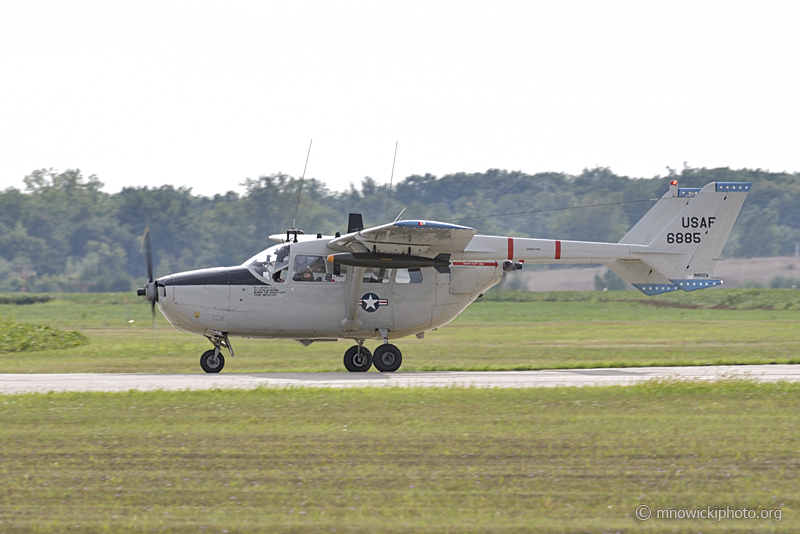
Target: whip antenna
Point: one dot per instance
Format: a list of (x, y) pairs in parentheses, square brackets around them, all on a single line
[(294, 221), (558, 209), (386, 219)]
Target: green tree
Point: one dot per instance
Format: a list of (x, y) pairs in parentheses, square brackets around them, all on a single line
[(17, 243), (757, 234), (69, 228)]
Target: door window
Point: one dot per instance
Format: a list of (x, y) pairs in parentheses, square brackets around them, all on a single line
[(408, 276), (311, 268), (376, 275)]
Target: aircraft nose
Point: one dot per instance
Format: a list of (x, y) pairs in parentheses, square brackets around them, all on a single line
[(203, 277)]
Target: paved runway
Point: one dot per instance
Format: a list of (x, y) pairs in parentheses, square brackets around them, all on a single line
[(29, 383)]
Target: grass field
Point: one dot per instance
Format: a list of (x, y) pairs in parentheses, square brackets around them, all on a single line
[(413, 460), (400, 460), (506, 331)]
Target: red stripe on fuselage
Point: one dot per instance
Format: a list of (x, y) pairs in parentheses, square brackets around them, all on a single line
[(476, 263), (558, 250), (510, 248)]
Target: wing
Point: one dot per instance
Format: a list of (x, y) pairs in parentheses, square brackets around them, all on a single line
[(407, 237), (399, 241)]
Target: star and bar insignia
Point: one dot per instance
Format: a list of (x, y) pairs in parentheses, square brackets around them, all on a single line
[(371, 302)]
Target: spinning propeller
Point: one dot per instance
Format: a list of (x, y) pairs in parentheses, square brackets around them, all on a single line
[(150, 289)]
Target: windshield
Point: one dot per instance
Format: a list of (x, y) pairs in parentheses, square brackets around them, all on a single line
[(271, 264)]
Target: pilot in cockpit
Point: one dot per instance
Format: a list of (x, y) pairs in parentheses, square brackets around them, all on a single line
[(280, 265), (309, 269)]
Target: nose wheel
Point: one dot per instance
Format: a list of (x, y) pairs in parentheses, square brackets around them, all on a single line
[(212, 363)]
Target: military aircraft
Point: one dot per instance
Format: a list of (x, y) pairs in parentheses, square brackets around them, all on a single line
[(409, 277)]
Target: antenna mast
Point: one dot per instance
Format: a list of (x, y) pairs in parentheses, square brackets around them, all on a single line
[(294, 221), (391, 179)]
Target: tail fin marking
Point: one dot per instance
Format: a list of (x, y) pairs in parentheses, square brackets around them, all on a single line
[(685, 232), (657, 289), (695, 237), (694, 284)]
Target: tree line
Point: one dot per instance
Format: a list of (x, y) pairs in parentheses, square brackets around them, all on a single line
[(76, 237)]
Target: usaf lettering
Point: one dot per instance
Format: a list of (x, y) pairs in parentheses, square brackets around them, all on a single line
[(690, 222), (697, 222)]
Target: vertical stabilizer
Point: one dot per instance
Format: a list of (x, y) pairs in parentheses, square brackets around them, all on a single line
[(685, 233), (695, 237), (667, 207)]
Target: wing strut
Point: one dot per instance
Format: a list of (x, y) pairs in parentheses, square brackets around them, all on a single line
[(350, 322)]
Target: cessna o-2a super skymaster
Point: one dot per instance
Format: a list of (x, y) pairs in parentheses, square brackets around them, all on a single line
[(409, 277)]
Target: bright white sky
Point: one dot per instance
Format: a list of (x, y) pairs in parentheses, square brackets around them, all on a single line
[(205, 94)]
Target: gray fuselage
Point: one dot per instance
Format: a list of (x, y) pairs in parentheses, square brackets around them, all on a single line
[(310, 299)]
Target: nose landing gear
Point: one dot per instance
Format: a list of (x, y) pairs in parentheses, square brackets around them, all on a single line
[(212, 361)]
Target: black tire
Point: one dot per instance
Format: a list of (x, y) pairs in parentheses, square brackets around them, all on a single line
[(356, 363), (387, 358), (210, 364)]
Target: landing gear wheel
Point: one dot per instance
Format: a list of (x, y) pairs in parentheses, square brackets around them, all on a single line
[(387, 358), (210, 364), (357, 362)]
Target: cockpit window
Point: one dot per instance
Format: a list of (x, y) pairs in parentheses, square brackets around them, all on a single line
[(272, 264), (312, 268)]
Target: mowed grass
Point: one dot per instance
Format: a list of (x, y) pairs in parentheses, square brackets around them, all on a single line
[(400, 460), (409, 460), (491, 335)]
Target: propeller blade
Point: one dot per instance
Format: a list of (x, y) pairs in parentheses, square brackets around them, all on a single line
[(155, 324), (150, 289), (148, 253)]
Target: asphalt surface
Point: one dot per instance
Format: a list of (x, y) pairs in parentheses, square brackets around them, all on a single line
[(31, 383)]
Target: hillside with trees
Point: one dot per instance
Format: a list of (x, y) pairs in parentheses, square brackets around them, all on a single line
[(76, 237)]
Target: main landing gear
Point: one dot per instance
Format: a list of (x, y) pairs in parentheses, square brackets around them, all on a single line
[(358, 359), (212, 361), (387, 358)]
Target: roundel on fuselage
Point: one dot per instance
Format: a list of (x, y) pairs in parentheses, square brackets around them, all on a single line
[(371, 302)]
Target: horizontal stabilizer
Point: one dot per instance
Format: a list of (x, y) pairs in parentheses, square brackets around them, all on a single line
[(692, 285), (655, 289), (685, 285), (637, 272)]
